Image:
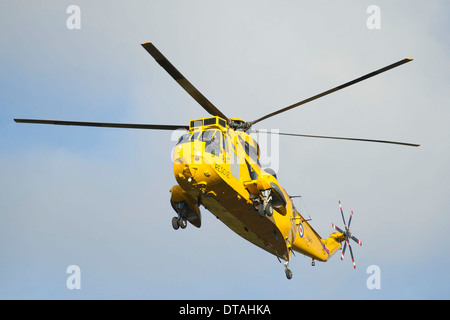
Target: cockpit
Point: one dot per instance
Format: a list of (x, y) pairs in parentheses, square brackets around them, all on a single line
[(214, 140), (213, 136)]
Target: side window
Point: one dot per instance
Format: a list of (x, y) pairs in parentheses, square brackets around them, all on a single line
[(251, 172), (224, 143), (235, 166), (234, 159), (250, 150)]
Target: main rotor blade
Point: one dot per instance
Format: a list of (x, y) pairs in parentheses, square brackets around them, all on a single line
[(104, 124), (317, 96), (339, 138), (182, 81)]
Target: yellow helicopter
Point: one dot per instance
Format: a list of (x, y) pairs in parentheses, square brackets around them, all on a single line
[(216, 165)]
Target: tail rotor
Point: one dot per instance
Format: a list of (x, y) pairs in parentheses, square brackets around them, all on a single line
[(347, 235)]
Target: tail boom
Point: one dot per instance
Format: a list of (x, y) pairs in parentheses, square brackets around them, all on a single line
[(309, 243), (333, 243)]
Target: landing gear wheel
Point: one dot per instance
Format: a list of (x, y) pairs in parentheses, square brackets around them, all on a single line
[(175, 224), (183, 223), (287, 270), (269, 210), (261, 211), (256, 204), (289, 274)]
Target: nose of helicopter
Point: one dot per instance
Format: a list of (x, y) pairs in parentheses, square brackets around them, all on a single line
[(192, 168), (182, 169)]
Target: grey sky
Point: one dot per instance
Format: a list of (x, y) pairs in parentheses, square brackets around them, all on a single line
[(99, 198)]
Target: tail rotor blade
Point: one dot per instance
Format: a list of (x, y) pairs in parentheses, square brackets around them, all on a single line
[(342, 214), (337, 228), (350, 220), (356, 240), (351, 254), (343, 251)]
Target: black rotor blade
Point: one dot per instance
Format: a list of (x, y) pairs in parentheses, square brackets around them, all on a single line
[(317, 96), (182, 81), (340, 138), (104, 124)]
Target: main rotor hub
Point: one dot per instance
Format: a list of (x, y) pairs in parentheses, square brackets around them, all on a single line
[(239, 124)]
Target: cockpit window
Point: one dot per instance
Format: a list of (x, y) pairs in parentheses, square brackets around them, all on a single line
[(207, 135), (195, 135), (212, 141), (184, 138)]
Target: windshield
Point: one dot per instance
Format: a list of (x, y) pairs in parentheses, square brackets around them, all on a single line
[(212, 141), (211, 138), (184, 138), (207, 135)]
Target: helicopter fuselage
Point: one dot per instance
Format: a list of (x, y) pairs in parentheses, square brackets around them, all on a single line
[(218, 167)]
